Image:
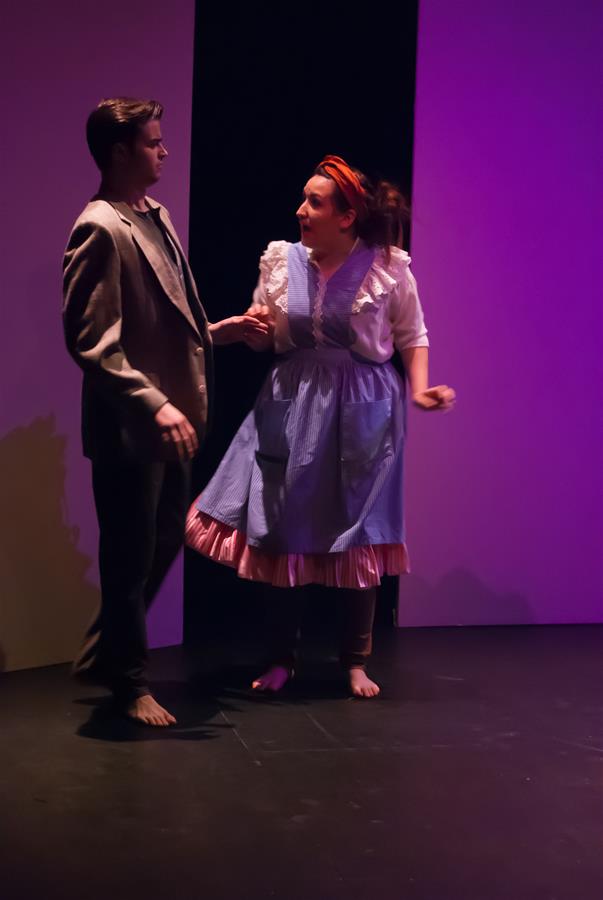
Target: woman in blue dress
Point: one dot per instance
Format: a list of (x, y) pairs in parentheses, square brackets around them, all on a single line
[(311, 487)]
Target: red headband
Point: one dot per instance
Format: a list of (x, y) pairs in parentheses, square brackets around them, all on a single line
[(347, 181)]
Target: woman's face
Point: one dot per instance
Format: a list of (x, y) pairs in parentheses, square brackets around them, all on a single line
[(322, 224)]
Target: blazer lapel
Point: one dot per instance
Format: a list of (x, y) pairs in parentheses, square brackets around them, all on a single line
[(167, 224), (163, 271)]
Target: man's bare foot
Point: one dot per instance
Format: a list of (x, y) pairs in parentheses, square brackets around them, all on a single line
[(273, 680), (149, 712), (361, 685)]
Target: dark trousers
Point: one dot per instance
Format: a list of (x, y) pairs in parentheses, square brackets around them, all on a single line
[(141, 511), (357, 615)]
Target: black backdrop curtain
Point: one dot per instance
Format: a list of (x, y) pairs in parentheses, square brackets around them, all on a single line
[(277, 86)]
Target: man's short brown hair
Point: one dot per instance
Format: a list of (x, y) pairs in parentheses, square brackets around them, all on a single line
[(117, 121)]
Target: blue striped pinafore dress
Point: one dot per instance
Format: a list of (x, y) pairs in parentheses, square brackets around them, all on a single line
[(313, 478)]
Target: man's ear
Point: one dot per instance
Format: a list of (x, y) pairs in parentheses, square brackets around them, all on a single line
[(119, 152)]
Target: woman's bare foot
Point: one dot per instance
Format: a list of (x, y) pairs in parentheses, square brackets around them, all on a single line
[(273, 680), (147, 711), (361, 685)]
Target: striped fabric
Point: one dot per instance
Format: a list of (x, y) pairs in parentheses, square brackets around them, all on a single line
[(310, 488), (358, 567)]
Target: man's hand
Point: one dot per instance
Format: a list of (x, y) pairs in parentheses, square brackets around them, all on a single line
[(237, 328), (177, 431), (440, 398)]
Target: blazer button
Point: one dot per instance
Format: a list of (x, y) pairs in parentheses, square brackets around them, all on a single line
[(202, 389), (198, 351)]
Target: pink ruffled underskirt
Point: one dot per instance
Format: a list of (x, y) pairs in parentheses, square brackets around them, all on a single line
[(358, 567)]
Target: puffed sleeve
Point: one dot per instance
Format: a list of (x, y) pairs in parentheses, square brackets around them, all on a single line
[(271, 289), (406, 314)]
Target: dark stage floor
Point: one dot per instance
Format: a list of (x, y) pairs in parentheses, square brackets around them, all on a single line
[(477, 774)]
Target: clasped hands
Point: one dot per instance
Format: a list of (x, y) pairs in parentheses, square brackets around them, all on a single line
[(253, 328), (261, 337)]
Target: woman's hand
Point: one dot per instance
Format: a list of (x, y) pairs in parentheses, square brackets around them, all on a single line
[(238, 328), (261, 312), (440, 398), (257, 341)]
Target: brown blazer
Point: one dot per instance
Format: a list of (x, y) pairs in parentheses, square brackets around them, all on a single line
[(137, 336)]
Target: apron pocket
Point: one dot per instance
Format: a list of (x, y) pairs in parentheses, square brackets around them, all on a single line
[(366, 431), (366, 445), (273, 447)]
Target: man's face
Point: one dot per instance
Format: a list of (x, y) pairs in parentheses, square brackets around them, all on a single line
[(143, 160)]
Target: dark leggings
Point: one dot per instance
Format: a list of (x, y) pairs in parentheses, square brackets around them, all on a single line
[(357, 613)]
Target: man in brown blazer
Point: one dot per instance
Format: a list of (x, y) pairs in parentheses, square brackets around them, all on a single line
[(135, 325)]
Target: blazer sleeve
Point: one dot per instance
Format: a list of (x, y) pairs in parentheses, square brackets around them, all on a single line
[(92, 319)]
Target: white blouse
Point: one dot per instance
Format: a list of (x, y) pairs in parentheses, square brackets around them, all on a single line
[(386, 313)]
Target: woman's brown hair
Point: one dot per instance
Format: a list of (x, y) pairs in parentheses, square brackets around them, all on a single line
[(387, 211)]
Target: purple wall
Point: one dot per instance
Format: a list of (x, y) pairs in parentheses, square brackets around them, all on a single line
[(59, 60), (505, 500)]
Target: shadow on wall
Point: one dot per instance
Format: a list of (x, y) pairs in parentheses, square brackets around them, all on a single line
[(459, 598), (46, 600)]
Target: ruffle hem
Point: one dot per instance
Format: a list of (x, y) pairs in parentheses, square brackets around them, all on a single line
[(358, 567)]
